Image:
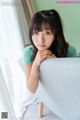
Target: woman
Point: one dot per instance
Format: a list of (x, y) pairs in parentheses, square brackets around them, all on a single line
[(47, 41)]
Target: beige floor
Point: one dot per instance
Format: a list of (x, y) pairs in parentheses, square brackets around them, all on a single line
[(32, 114)]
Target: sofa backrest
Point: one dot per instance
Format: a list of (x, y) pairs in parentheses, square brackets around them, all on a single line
[(60, 86)]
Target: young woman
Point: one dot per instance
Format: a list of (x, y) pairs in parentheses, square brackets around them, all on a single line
[(47, 41)]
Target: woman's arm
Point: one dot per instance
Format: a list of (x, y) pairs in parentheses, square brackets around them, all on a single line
[(32, 70), (33, 79)]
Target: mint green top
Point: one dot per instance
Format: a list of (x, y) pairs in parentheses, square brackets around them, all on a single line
[(29, 50)]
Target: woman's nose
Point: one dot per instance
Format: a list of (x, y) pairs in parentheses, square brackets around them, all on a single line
[(41, 38)]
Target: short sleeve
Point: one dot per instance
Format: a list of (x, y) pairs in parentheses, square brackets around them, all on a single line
[(28, 51), (72, 51)]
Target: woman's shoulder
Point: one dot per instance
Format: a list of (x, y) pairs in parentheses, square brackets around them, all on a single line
[(72, 51), (29, 48), (28, 51)]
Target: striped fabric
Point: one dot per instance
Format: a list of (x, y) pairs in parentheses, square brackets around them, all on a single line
[(28, 51)]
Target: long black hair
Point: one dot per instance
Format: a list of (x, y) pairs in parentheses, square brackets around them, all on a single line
[(52, 19)]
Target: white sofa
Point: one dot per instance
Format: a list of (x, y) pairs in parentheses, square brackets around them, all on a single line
[(59, 87)]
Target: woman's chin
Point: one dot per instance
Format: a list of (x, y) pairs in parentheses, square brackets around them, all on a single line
[(42, 49)]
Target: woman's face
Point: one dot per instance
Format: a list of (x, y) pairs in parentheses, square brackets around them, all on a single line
[(43, 39)]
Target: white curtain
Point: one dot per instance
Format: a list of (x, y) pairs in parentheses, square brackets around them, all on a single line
[(13, 36)]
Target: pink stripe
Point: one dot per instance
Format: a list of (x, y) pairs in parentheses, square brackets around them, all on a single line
[(68, 2)]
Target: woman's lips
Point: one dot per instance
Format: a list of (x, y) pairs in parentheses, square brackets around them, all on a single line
[(41, 45)]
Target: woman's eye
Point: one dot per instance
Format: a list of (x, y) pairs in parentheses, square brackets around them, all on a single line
[(48, 33), (36, 33)]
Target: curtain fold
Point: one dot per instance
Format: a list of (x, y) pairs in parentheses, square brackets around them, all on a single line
[(29, 9)]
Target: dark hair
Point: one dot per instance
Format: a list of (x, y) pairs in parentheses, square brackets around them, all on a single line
[(52, 19)]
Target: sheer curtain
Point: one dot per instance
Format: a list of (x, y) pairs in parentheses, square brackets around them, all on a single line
[(12, 49), (13, 37)]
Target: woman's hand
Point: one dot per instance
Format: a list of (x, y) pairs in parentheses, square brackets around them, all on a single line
[(52, 56), (42, 55)]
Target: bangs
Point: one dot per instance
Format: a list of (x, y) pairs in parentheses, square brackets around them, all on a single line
[(41, 24)]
